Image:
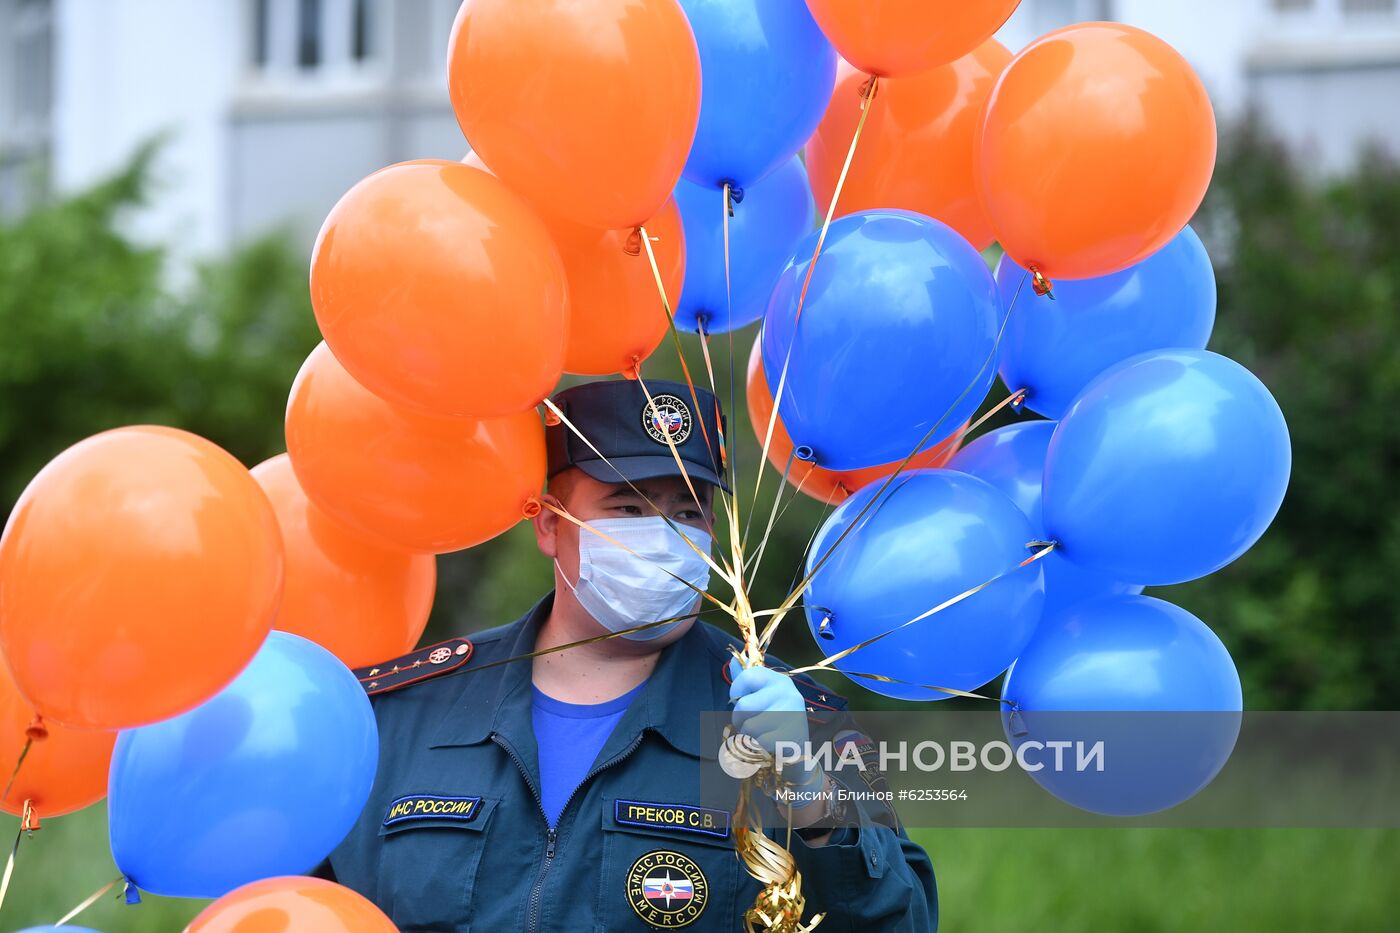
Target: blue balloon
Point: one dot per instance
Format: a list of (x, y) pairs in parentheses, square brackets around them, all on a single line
[(263, 779), (1056, 348), (1144, 677), (766, 75), (896, 340), (1012, 459), (932, 535), (1166, 468), (774, 217)]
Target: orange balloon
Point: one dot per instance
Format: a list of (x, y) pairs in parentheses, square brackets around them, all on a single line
[(421, 482), (65, 770), (822, 484), (360, 599), (291, 905), (441, 291), (139, 573), (615, 314), (891, 38), (616, 318), (1097, 146), (587, 107), (916, 151)]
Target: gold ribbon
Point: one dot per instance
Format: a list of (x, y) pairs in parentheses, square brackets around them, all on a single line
[(742, 610), (91, 899), (28, 822), (797, 590), (867, 97), (780, 904), (1044, 549)]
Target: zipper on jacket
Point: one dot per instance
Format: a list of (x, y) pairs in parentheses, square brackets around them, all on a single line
[(532, 915)]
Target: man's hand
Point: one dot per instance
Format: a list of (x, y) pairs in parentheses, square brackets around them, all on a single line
[(769, 707)]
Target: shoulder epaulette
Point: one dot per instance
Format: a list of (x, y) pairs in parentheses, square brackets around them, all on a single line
[(822, 702), (416, 666)]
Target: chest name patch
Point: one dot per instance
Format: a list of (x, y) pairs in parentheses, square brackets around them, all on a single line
[(430, 807), (676, 816)]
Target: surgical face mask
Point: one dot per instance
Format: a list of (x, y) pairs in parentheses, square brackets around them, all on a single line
[(623, 589)]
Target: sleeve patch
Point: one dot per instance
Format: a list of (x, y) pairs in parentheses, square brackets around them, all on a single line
[(431, 807)]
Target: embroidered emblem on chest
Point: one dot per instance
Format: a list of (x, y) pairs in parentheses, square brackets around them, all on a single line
[(667, 889)]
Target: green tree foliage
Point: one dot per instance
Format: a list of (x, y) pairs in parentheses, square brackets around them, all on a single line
[(1309, 277), (92, 338)]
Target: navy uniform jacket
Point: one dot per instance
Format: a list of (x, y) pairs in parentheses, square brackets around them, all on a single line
[(454, 838)]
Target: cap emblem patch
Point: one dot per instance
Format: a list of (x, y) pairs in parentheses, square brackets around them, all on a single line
[(666, 416)]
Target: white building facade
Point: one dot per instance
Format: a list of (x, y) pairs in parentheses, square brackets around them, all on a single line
[(270, 109)]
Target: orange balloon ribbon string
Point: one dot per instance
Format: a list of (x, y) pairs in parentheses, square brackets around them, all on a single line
[(35, 732), (867, 97), (675, 339), (28, 822), (685, 368), (1041, 285), (91, 899), (743, 611)]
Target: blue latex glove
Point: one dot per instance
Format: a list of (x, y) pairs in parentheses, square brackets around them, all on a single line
[(769, 707)]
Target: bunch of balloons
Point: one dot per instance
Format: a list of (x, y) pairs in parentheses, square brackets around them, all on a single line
[(1083, 155), (636, 167)]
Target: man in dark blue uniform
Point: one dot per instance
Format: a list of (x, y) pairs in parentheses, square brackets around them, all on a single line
[(563, 792)]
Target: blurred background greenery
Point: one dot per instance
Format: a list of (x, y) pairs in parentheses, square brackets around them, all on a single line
[(1309, 274)]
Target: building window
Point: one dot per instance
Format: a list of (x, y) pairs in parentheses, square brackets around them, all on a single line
[(261, 29), (308, 33), (26, 72), (315, 42), (359, 40), (1367, 7)]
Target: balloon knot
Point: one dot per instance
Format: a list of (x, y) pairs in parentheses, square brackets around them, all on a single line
[(868, 90), (132, 893), (37, 731), (29, 817), (824, 628), (634, 371), (633, 245), (1041, 549), (804, 453), (1018, 399), (1041, 284), (532, 507), (551, 418)]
